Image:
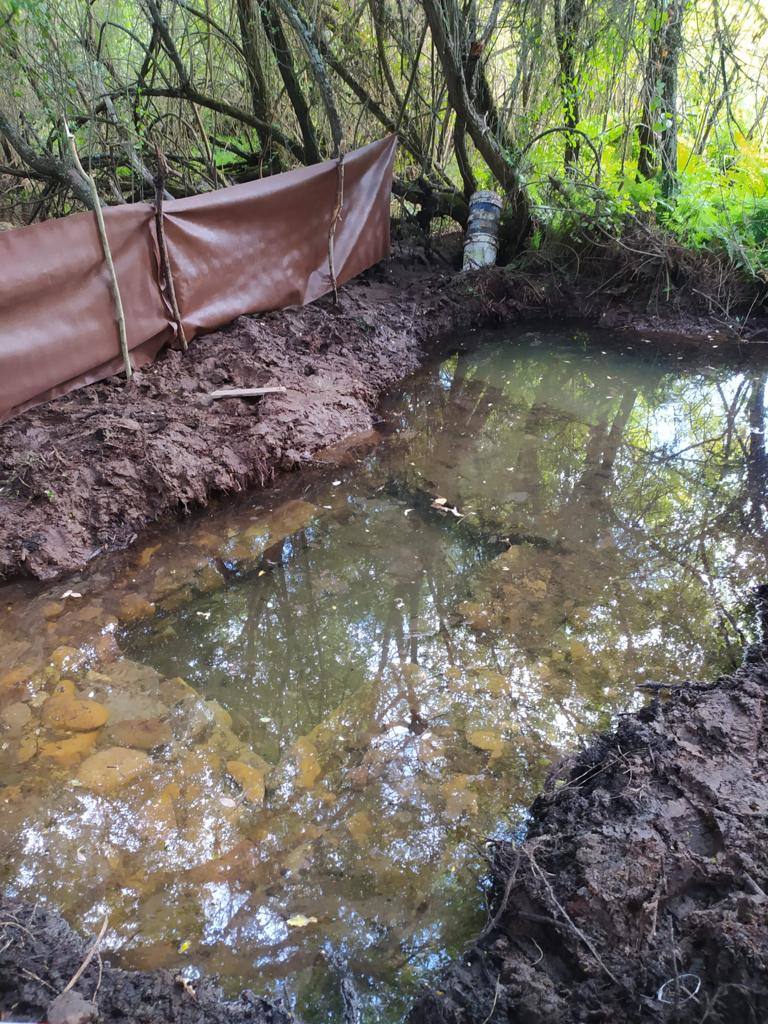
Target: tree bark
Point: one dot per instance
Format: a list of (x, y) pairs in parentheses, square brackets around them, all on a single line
[(319, 71), (568, 18), (282, 51), (658, 131), (444, 23), (249, 21), (45, 163)]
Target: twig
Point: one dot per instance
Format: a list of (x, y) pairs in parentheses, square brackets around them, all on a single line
[(334, 220), (88, 956), (165, 263), (566, 916), (119, 314), (495, 999)]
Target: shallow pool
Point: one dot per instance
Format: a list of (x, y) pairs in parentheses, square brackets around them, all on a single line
[(331, 694)]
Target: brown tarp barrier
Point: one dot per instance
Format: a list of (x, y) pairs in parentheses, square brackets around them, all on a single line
[(243, 249)]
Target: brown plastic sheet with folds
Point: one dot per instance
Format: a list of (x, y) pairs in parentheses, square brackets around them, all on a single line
[(243, 249)]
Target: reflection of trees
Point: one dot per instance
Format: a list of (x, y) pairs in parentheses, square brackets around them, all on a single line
[(757, 462), (624, 493)]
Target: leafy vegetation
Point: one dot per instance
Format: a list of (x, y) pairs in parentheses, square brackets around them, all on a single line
[(592, 116)]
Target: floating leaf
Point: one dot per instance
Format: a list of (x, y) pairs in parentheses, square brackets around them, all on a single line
[(300, 921)]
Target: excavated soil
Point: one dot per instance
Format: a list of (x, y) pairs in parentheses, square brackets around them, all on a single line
[(39, 954), (87, 472), (639, 892)]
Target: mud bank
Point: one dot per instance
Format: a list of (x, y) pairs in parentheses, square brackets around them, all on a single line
[(39, 954), (639, 892), (87, 472)]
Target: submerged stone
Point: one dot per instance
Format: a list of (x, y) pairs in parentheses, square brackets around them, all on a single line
[(68, 659), (52, 609), (15, 679), (108, 770), (70, 751), (249, 778), (134, 606), (67, 713), (486, 739), (15, 718), (27, 748), (141, 733)]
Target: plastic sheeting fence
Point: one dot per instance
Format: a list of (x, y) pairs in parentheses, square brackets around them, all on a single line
[(243, 249)]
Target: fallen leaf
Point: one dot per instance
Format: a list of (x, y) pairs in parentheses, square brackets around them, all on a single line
[(300, 921)]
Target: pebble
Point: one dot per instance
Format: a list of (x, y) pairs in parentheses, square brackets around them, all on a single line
[(109, 769), (15, 718)]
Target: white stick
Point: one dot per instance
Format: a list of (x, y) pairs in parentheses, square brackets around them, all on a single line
[(245, 392)]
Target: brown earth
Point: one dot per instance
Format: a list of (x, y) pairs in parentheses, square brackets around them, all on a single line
[(639, 892), (87, 472)]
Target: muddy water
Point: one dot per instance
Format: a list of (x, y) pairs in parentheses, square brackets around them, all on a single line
[(274, 740)]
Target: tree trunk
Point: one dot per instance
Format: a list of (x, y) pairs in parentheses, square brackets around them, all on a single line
[(46, 164), (568, 18), (274, 30), (248, 20), (445, 24), (319, 72), (658, 131)]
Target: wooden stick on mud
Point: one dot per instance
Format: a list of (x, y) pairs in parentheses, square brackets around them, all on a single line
[(165, 263), (119, 313), (245, 392), (334, 220)]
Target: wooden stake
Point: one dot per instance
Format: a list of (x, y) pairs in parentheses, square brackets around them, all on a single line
[(119, 314), (334, 220), (165, 264)]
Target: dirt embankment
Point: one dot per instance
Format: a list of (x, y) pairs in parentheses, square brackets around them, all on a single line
[(89, 471), (640, 891)]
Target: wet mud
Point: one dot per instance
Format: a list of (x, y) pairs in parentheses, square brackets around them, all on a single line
[(89, 471), (40, 953), (639, 892)]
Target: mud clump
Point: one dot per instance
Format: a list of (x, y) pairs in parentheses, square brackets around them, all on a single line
[(640, 892), (39, 954)]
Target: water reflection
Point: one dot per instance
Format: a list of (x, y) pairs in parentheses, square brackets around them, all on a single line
[(351, 690)]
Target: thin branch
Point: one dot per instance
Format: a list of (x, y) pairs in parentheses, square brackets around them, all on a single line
[(113, 283)]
